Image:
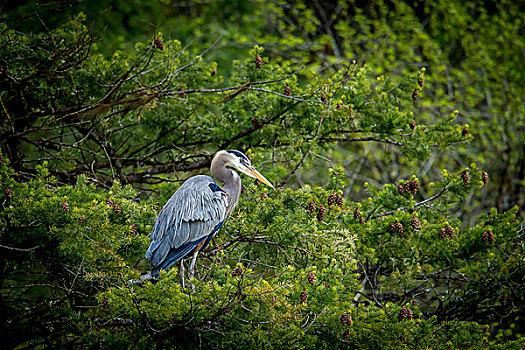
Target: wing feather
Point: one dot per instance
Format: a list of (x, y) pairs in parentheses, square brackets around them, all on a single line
[(190, 215)]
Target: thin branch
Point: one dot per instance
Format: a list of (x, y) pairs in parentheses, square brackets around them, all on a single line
[(20, 249)]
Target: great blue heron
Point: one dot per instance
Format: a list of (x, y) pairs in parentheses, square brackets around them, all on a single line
[(197, 210)]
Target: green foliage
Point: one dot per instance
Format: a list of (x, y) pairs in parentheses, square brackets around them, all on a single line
[(368, 242)]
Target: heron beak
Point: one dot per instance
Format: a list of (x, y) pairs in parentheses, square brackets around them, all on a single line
[(257, 175)]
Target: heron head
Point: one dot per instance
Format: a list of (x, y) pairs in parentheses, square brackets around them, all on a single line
[(241, 162)]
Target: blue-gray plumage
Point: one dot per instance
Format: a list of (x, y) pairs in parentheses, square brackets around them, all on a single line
[(197, 210)]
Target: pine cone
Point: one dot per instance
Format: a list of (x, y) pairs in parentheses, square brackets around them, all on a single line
[(465, 177), (405, 313), (415, 95), (8, 193), (311, 277), (410, 186), (484, 177), (304, 296), (412, 124), (331, 198), (312, 207), (339, 201), (346, 319), (346, 335), (488, 238), (214, 72), (1, 159), (361, 220), (415, 223), (81, 218), (400, 189), (357, 214), (464, 132), (105, 302), (415, 187), (109, 202), (449, 231), (396, 227), (65, 207), (158, 43), (258, 61), (321, 213), (237, 271), (420, 79), (323, 99), (116, 208), (134, 230), (287, 90), (442, 233)]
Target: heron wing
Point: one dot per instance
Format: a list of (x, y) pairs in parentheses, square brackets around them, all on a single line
[(196, 210)]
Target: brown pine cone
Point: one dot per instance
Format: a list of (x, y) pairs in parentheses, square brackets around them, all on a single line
[(287, 90), (346, 335), (442, 233), (484, 177), (464, 132), (415, 223), (400, 189), (304, 296), (321, 213), (449, 231), (412, 124), (346, 319), (158, 43), (415, 95), (339, 201), (1, 159), (105, 302), (237, 271), (312, 207), (357, 214), (323, 99), (420, 79), (116, 208), (405, 313), (396, 227), (65, 207), (109, 202), (488, 238), (311, 277), (8, 193), (361, 220), (258, 61), (81, 218), (410, 186), (331, 198), (133, 230), (465, 176)]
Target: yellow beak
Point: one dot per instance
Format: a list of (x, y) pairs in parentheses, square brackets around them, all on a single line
[(255, 174)]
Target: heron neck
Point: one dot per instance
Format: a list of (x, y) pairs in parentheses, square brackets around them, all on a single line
[(230, 179)]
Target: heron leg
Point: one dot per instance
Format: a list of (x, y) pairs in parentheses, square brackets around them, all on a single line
[(182, 272), (192, 265)]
